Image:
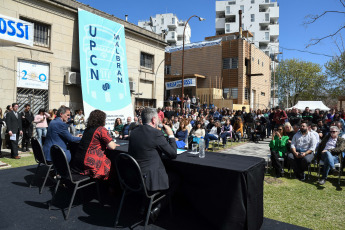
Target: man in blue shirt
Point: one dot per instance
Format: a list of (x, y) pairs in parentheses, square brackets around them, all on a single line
[(58, 134)]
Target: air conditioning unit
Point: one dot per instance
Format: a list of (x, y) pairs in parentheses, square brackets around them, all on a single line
[(72, 78), (132, 86)]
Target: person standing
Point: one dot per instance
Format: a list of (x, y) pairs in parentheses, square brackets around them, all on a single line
[(1, 132), (41, 124), (14, 129), (27, 119), (79, 121)]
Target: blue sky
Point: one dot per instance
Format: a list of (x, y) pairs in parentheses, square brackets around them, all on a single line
[(293, 33)]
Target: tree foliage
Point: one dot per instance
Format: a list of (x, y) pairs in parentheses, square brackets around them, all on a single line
[(300, 80)]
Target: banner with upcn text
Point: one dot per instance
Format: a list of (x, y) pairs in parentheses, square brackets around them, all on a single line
[(103, 67)]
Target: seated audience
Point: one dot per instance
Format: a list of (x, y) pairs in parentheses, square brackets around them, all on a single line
[(213, 134), (329, 152), (226, 131), (90, 159), (278, 148), (197, 132), (302, 151), (238, 129), (181, 135)]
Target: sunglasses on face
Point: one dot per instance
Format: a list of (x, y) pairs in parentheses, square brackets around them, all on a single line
[(333, 131)]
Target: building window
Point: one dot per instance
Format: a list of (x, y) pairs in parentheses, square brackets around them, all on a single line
[(262, 94), (230, 63), (252, 17), (258, 61), (262, 64), (167, 69), (267, 17), (242, 25), (227, 9), (267, 35), (172, 34), (233, 93), (162, 21), (242, 8), (173, 20), (154, 29), (252, 1), (232, 3), (252, 58), (267, 1), (146, 60), (246, 94), (226, 93), (41, 33), (227, 28)]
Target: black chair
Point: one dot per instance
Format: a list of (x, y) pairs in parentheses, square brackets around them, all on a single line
[(41, 160), (63, 172), (131, 180)]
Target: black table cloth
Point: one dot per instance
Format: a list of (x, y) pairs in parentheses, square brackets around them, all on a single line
[(225, 189)]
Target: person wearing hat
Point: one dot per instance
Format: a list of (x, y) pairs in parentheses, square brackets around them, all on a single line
[(330, 148)]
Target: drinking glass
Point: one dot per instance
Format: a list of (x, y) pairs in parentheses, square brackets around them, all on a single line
[(195, 148)]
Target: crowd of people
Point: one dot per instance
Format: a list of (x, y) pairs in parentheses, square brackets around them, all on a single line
[(298, 136), (25, 123)]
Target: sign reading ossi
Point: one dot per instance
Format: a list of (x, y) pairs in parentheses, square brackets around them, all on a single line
[(15, 30), (103, 67)]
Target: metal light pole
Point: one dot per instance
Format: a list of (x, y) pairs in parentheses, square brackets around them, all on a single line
[(274, 77), (184, 29)]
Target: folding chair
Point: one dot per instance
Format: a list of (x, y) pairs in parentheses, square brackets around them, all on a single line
[(63, 172), (41, 161), (131, 180), (337, 165)]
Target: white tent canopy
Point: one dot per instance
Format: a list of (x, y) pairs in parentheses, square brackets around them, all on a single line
[(311, 104)]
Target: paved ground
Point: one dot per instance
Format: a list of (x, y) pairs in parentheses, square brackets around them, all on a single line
[(260, 149)]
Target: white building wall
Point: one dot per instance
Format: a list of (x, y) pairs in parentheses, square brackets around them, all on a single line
[(171, 24), (227, 21)]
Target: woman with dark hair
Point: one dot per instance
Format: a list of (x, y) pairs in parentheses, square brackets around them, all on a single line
[(118, 126), (278, 147), (90, 158), (41, 124), (181, 135)]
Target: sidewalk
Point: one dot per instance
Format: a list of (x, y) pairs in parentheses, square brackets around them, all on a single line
[(260, 149), (6, 153)]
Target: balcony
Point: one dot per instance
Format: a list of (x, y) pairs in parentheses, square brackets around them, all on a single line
[(220, 23), (173, 23), (274, 12), (274, 30), (171, 36)]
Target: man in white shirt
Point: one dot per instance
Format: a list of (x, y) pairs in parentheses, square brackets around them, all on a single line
[(302, 151)]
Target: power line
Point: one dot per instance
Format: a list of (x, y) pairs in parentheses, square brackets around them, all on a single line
[(305, 51)]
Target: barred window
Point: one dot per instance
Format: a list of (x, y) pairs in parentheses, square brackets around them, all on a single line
[(146, 60), (246, 94), (230, 63), (41, 33)]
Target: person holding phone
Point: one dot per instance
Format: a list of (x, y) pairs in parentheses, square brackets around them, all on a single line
[(41, 124), (278, 148)]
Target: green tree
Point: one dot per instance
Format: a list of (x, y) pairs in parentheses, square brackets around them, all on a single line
[(300, 81)]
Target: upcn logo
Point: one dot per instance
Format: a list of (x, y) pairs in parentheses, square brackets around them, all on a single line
[(106, 86)]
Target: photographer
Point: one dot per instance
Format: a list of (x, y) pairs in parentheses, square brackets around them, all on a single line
[(41, 124), (278, 147)]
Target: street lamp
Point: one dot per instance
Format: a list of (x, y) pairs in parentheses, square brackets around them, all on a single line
[(274, 77), (184, 29)]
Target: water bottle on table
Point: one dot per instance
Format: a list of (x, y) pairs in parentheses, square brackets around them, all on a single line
[(202, 147)]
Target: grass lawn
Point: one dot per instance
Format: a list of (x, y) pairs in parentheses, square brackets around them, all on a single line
[(24, 161), (220, 148), (305, 204)]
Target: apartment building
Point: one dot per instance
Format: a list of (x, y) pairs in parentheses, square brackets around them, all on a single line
[(227, 70), (55, 52), (169, 26), (261, 17)]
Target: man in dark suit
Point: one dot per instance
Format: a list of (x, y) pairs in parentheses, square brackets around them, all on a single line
[(14, 127), (58, 134), (27, 119), (146, 145)]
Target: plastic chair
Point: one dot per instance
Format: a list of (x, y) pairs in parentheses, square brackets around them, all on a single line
[(63, 172), (41, 161), (131, 180)]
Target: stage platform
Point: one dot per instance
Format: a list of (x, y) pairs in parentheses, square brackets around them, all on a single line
[(24, 208)]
